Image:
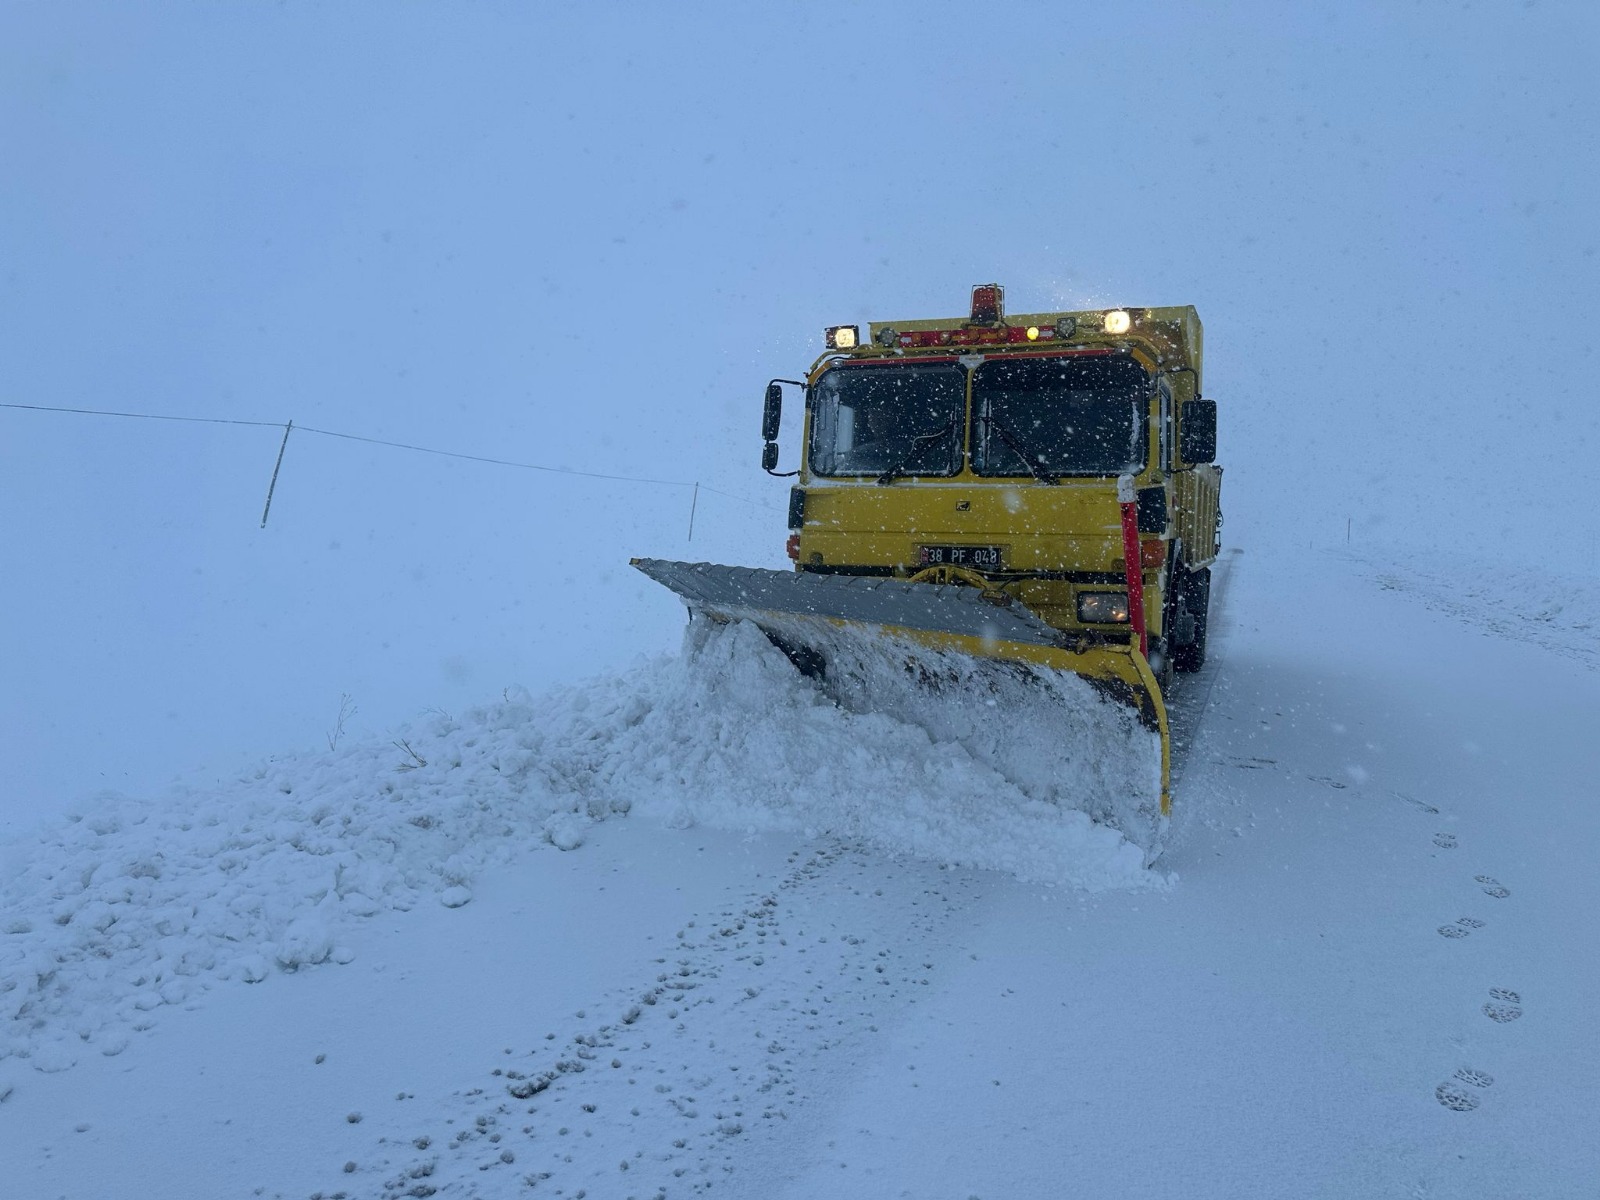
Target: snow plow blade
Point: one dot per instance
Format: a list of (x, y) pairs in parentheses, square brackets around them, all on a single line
[(805, 611)]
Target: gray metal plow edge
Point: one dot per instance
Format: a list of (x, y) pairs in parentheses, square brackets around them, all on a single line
[(755, 592)]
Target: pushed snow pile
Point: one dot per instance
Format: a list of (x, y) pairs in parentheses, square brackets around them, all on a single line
[(939, 762), (133, 905), (1051, 735)]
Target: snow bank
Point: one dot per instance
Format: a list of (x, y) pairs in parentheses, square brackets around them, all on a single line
[(936, 763), (133, 905)]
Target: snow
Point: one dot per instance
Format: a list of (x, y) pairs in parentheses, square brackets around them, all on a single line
[(1291, 1011), (1556, 609), (131, 906), (745, 742), (800, 1001)]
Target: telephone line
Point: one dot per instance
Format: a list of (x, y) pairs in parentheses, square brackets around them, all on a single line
[(499, 462), (102, 412), (356, 437)]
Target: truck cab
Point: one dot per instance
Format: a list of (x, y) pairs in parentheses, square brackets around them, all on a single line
[(987, 450)]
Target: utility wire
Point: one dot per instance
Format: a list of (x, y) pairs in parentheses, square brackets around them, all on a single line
[(499, 462), (100, 412), (355, 437)]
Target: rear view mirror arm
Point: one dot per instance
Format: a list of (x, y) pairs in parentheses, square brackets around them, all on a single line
[(771, 418)]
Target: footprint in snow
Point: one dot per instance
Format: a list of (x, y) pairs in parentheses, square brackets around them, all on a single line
[(1415, 803), (1245, 763), (1461, 927), (1493, 887), (1504, 1005), (1329, 780), (1455, 1097), (1455, 1094), (1445, 841)]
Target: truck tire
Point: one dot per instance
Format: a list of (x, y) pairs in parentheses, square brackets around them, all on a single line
[(1195, 596)]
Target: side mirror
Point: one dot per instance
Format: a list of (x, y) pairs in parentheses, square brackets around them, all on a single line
[(1197, 436), (769, 456), (772, 412)]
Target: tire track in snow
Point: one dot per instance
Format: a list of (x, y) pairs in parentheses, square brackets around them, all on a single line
[(679, 1085), (1191, 699)]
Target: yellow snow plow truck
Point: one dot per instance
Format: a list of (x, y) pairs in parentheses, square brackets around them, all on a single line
[(1034, 493)]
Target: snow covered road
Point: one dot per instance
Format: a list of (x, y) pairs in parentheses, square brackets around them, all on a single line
[(1372, 980), (1371, 975)]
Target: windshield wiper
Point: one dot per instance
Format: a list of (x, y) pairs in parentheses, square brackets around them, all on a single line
[(899, 468), (1019, 449)]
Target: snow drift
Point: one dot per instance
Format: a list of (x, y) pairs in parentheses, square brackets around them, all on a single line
[(133, 905)]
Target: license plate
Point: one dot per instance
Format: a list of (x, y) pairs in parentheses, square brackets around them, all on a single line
[(984, 558)]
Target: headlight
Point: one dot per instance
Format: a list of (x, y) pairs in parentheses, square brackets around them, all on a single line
[(1103, 608), (1118, 321)]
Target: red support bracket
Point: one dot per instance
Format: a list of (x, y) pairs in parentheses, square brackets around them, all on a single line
[(1133, 568)]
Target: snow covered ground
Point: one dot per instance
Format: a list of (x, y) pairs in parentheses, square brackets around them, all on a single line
[(1559, 611), (132, 905), (769, 965)]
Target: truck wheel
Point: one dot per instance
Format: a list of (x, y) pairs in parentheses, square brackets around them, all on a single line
[(1195, 597)]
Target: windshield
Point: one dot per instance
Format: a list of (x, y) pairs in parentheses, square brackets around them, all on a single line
[(902, 419), (1068, 416)]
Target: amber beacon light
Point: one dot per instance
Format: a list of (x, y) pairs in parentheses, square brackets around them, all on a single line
[(988, 304)]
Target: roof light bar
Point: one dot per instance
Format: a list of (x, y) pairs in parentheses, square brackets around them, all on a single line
[(842, 337), (977, 335)]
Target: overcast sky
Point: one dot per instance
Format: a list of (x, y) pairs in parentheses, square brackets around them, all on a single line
[(585, 236)]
